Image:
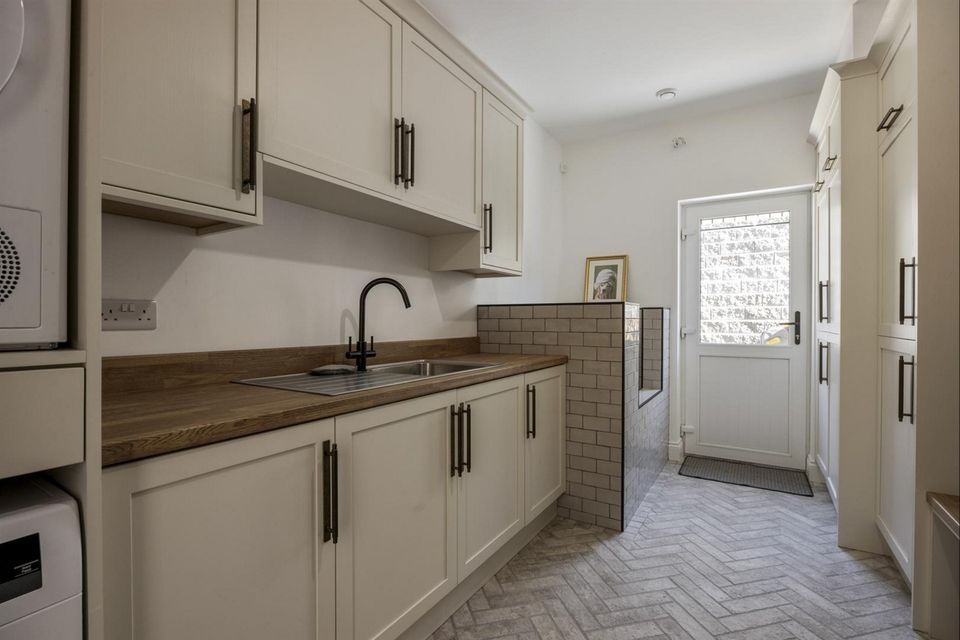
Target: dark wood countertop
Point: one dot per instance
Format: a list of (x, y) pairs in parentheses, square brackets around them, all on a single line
[(947, 509), (140, 423)]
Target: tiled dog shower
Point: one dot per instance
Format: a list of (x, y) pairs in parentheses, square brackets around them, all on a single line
[(617, 395)]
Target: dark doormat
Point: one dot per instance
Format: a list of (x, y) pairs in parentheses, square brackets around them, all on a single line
[(749, 475)]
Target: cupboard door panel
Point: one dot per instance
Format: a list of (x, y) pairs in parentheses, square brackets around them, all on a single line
[(444, 105), (897, 455), (396, 554), (220, 542), (490, 501), (330, 87), (544, 464), (173, 76), (898, 231), (502, 169)]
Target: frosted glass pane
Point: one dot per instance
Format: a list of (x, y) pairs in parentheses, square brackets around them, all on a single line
[(745, 279)]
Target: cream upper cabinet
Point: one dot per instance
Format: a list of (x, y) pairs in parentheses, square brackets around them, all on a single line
[(502, 235), (490, 469), (441, 111), (544, 464), (221, 542), (897, 450), (330, 88), (397, 545), (174, 133), (898, 81)]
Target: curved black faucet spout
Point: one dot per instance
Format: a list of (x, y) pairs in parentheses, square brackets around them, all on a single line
[(362, 352)]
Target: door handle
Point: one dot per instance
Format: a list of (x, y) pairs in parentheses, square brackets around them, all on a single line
[(248, 145), (817, 186), (411, 162), (531, 406), (460, 463), (796, 327), (912, 265), (824, 371), (469, 457), (884, 123), (453, 440), (823, 303), (488, 228), (901, 413), (397, 151), (828, 163), (331, 491)]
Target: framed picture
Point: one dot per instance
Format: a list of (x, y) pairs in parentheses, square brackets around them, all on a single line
[(605, 279)]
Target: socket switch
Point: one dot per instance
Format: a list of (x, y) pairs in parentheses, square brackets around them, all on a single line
[(128, 315)]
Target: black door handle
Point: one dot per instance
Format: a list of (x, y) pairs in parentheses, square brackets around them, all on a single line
[(453, 440), (529, 409), (895, 112), (796, 326), (331, 491), (460, 463), (248, 145), (901, 413), (904, 265), (469, 457), (823, 301), (824, 371), (397, 151), (411, 163), (487, 228)]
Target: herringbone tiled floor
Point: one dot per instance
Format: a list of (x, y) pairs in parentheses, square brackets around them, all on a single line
[(699, 560)]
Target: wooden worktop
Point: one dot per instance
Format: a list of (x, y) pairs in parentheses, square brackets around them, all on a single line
[(947, 508), (154, 405)]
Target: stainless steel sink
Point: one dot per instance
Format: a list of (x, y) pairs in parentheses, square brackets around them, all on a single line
[(376, 376)]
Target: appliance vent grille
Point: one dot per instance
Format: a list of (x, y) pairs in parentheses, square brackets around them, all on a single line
[(9, 266)]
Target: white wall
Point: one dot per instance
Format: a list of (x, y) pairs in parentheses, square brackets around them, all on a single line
[(297, 279), (620, 193)]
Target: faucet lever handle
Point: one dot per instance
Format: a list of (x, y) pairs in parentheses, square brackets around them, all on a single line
[(350, 343)]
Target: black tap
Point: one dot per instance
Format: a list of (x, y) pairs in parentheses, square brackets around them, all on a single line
[(362, 352)]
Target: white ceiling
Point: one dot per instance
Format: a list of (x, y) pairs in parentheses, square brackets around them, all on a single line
[(591, 67)]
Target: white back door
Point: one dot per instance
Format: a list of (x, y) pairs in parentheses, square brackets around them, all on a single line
[(745, 273)]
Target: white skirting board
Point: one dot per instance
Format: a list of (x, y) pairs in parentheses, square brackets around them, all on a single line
[(675, 450)]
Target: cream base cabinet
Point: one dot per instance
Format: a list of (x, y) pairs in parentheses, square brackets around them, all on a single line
[(397, 546), (221, 542), (490, 498), (173, 78), (897, 450), (441, 108), (828, 413), (544, 463), (330, 88)]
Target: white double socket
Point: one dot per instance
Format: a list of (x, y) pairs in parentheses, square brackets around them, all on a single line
[(128, 315)]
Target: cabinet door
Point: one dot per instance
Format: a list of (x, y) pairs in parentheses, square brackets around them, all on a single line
[(898, 232), (502, 196), (823, 412), (490, 500), (443, 104), (220, 542), (330, 87), (833, 375), (823, 258), (898, 80), (544, 464), (397, 549), (897, 461), (173, 76)]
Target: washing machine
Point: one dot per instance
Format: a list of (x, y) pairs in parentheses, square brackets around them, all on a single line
[(41, 562)]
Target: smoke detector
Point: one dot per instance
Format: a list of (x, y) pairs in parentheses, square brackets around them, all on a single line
[(667, 94)]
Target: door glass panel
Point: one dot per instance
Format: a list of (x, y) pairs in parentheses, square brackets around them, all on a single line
[(745, 279)]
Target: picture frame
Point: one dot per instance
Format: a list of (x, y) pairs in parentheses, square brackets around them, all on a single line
[(605, 279)]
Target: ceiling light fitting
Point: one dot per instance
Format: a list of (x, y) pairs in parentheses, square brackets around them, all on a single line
[(667, 94)]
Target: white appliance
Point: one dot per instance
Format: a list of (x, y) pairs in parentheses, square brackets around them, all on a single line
[(34, 90), (41, 570)]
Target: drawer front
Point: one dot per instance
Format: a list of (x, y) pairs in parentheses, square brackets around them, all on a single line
[(42, 420)]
